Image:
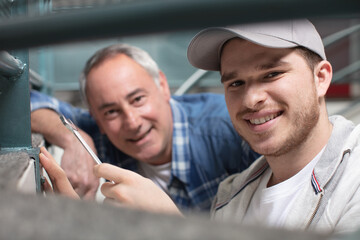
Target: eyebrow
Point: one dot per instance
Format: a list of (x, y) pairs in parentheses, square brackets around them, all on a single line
[(262, 67), (131, 94), (105, 105), (228, 76), (272, 64)]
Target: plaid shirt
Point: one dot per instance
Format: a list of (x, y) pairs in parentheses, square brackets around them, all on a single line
[(206, 148)]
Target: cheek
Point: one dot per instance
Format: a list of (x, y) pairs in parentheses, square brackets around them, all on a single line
[(233, 102), (154, 110), (233, 105), (148, 112), (111, 127)]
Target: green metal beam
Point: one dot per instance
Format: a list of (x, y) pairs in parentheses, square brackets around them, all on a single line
[(15, 125), (126, 19), (15, 130)]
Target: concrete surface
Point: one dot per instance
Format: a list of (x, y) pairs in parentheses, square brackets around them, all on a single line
[(12, 167), (25, 216), (27, 183)]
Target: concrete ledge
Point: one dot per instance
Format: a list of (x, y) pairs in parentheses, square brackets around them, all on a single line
[(12, 167), (25, 216), (27, 183)]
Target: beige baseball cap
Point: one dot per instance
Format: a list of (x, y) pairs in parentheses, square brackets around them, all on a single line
[(205, 48)]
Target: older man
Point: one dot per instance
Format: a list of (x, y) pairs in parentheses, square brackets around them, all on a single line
[(185, 144)]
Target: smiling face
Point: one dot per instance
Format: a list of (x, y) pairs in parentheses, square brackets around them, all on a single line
[(271, 96), (131, 109)]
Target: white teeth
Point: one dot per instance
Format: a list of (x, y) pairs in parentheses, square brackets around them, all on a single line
[(263, 119)]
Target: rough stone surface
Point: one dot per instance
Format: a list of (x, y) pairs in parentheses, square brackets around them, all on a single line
[(37, 140), (54, 217), (12, 166)]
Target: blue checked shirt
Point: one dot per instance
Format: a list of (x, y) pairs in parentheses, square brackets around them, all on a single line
[(206, 148)]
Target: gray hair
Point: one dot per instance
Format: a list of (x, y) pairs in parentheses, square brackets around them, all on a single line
[(138, 55)]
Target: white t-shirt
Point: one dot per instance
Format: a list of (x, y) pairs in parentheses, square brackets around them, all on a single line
[(270, 206), (159, 174)]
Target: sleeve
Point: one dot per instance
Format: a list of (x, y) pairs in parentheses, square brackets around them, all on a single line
[(350, 221), (40, 101)]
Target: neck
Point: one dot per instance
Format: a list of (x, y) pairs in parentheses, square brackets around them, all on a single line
[(287, 165)]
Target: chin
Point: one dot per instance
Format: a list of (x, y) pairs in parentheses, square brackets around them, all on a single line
[(265, 149), (147, 157)]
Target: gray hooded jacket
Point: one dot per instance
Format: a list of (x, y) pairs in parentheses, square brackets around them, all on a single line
[(330, 202)]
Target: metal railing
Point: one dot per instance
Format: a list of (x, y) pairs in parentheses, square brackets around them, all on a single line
[(158, 16), (10, 67)]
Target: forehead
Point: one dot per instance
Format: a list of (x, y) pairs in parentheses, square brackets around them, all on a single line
[(116, 78), (119, 68), (118, 61)]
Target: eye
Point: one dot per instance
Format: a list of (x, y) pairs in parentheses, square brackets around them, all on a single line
[(236, 84), (109, 114), (139, 100), (273, 74)]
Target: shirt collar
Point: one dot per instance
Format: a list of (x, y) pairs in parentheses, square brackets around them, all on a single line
[(180, 167)]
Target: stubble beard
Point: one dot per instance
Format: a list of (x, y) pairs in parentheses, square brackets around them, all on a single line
[(304, 121), (302, 127)]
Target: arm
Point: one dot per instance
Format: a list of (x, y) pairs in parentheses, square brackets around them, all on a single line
[(76, 161), (132, 190)]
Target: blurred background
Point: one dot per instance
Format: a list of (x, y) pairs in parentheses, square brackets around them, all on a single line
[(55, 69)]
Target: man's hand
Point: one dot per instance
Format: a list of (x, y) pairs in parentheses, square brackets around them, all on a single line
[(129, 189), (59, 181), (76, 161), (78, 165)]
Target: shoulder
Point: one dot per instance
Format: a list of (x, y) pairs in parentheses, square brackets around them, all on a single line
[(204, 111), (235, 183), (203, 102), (348, 133)]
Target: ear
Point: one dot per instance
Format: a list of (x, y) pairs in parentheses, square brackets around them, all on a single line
[(164, 87), (323, 76)]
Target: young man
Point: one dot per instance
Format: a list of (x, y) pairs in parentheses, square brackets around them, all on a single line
[(275, 77), (185, 144)]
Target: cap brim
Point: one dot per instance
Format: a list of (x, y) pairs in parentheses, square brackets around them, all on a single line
[(205, 48)]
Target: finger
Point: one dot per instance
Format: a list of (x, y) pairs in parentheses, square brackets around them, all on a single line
[(46, 186), (49, 163), (112, 173), (107, 189), (57, 176), (47, 154), (53, 170)]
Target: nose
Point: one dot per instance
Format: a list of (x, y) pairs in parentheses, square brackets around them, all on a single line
[(132, 120), (254, 96)]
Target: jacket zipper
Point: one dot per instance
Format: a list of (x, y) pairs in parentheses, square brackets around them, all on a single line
[(313, 214)]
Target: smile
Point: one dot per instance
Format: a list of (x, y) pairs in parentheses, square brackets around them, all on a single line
[(258, 121), (141, 137)]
